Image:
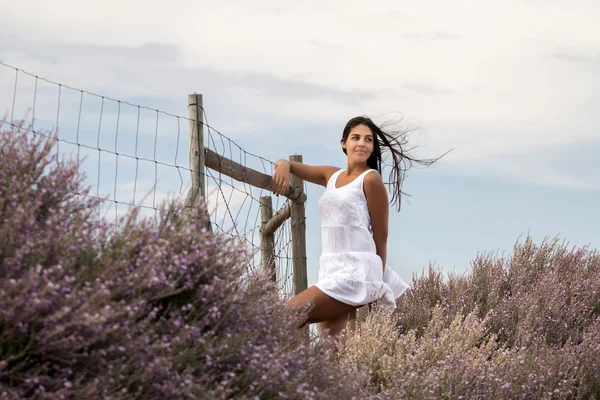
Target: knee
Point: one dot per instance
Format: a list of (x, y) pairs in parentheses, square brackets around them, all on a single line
[(292, 304)]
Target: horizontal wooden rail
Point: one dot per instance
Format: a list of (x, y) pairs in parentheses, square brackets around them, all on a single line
[(247, 175)]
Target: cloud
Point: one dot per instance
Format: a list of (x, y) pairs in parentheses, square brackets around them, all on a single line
[(479, 82), (431, 36), (426, 89), (53, 52), (585, 58), (135, 74), (329, 46)]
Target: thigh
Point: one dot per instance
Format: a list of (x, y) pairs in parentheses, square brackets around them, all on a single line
[(325, 325), (342, 323), (322, 307)]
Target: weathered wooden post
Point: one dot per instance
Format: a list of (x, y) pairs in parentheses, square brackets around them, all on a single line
[(196, 128), (298, 222), (267, 239)]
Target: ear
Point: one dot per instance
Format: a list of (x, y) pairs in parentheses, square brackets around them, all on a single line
[(343, 142)]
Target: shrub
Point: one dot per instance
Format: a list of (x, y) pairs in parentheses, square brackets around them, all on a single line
[(167, 310), (140, 310), (526, 326)]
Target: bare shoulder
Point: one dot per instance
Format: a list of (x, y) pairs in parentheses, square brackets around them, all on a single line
[(374, 188), (373, 179)]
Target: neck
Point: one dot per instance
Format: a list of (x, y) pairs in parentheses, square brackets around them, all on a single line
[(355, 168)]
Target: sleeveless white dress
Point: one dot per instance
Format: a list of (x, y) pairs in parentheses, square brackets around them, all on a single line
[(350, 269)]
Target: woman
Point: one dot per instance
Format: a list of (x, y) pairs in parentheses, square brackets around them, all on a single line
[(354, 212)]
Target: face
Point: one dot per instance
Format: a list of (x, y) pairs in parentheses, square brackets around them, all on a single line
[(359, 144)]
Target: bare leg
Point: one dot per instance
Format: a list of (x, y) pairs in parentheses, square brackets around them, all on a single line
[(325, 325), (343, 324), (339, 329), (324, 307)]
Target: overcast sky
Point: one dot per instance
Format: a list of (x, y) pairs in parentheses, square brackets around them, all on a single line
[(511, 87)]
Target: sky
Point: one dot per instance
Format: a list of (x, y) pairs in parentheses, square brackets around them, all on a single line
[(511, 88)]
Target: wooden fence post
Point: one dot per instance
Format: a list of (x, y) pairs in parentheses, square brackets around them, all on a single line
[(267, 239), (298, 222), (196, 127)]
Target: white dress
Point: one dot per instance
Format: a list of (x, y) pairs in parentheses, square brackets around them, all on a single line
[(350, 269)]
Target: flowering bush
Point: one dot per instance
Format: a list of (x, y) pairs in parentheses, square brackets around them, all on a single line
[(144, 311), (167, 310), (527, 326)]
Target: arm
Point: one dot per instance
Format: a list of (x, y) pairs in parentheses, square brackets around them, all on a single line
[(378, 204), (310, 173)]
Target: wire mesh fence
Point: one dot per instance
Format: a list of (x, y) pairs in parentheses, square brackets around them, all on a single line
[(137, 156)]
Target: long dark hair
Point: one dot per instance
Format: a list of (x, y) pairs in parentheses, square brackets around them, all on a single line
[(394, 142)]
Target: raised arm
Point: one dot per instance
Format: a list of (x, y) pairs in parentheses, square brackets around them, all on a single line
[(318, 174)]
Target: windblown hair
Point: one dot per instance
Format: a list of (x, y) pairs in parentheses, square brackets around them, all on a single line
[(395, 143)]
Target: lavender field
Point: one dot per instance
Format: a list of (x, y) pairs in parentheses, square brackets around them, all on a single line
[(165, 311)]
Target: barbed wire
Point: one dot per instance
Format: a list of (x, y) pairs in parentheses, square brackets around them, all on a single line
[(137, 149)]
